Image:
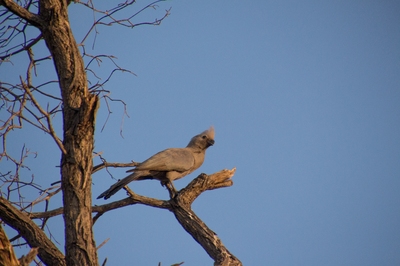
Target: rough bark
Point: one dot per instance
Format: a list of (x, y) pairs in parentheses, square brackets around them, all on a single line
[(48, 252), (79, 110), (203, 235)]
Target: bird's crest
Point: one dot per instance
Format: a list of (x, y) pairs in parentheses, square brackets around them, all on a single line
[(210, 132)]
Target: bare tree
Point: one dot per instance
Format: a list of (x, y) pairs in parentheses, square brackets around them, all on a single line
[(30, 100)]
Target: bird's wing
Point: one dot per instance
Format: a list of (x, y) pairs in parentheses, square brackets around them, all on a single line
[(174, 159)]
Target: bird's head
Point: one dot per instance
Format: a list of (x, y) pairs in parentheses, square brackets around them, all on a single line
[(203, 140)]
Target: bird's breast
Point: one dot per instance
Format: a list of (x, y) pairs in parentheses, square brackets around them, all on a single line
[(198, 159)]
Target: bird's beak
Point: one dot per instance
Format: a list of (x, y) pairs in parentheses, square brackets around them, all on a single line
[(210, 142)]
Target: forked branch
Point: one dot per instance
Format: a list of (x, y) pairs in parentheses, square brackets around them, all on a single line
[(181, 207)]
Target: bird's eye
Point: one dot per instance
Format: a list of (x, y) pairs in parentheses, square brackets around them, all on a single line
[(204, 136)]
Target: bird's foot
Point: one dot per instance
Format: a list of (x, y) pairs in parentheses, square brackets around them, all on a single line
[(171, 189)]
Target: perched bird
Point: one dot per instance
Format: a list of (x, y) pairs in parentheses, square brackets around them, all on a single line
[(169, 164)]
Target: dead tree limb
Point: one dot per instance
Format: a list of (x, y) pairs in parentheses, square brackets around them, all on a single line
[(181, 207)]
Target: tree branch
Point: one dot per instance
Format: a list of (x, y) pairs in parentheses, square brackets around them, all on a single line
[(186, 196), (133, 199), (24, 48), (203, 235), (22, 12), (35, 237), (27, 259), (181, 207), (106, 164), (205, 182), (50, 127)]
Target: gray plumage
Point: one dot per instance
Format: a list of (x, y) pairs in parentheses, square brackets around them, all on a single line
[(168, 165)]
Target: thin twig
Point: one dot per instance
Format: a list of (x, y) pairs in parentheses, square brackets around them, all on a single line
[(48, 118)]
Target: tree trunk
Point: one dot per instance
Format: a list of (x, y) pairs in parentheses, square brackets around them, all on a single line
[(79, 110)]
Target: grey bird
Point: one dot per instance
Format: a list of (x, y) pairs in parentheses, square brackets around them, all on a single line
[(168, 165)]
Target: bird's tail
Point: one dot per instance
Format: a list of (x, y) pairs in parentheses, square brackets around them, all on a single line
[(117, 186)]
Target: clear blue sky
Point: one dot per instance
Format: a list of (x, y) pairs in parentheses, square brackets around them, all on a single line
[(305, 101)]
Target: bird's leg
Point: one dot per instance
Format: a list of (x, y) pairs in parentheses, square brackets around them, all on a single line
[(171, 189)]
